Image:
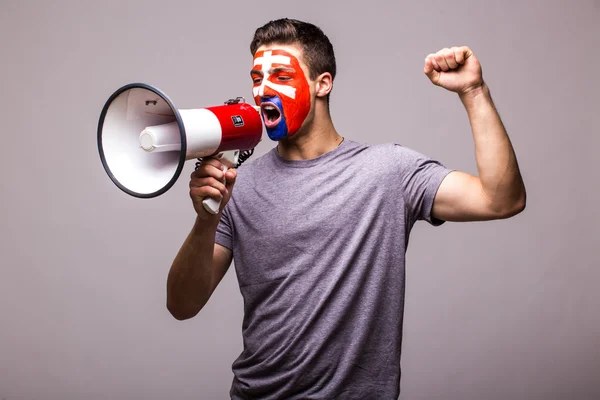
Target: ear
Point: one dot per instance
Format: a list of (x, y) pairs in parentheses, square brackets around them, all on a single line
[(324, 84)]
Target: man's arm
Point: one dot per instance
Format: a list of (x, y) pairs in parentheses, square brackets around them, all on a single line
[(200, 264), (196, 271), (498, 191)]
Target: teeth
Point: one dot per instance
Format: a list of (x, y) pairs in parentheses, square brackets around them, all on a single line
[(269, 108)]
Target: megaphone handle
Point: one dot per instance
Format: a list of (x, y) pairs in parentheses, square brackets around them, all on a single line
[(229, 159), (211, 205)]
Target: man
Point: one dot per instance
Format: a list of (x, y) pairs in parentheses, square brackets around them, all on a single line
[(318, 227)]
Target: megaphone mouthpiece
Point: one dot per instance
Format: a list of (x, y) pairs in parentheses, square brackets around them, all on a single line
[(163, 137)]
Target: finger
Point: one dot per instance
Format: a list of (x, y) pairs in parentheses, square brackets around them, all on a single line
[(430, 69), (230, 175), (207, 170), (466, 52), (441, 60), (434, 64), (209, 181), (200, 193), (459, 55), (212, 161), (450, 58)]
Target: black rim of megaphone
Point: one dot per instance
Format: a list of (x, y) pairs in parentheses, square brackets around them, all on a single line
[(181, 132)]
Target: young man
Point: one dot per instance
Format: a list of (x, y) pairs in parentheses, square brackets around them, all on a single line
[(318, 227)]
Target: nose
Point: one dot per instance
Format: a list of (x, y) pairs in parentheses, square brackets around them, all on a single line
[(266, 91)]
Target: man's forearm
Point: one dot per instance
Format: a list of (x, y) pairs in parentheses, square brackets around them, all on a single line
[(189, 280), (496, 161)]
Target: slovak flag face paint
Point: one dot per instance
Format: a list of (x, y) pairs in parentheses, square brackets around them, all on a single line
[(282, 92)]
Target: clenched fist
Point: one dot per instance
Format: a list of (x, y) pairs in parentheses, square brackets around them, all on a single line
[(455, 69), (209, 180)]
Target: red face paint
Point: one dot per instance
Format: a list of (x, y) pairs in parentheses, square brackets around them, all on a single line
[(282, 91)]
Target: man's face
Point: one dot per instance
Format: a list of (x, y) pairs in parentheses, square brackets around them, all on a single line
[(281, 89)]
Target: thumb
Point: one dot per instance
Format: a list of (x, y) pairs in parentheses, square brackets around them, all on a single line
[(230, 177)]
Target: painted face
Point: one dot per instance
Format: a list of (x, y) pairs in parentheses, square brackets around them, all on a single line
[(282, 92)]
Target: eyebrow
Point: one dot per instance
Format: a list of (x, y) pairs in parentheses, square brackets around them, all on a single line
[(281, 69), (273, 70)]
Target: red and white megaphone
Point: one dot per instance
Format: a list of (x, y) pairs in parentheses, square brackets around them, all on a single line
[(143, 140)]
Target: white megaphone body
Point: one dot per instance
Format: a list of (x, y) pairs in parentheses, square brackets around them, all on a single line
[(144, 141)]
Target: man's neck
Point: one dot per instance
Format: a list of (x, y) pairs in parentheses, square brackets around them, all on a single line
[(311, 142)]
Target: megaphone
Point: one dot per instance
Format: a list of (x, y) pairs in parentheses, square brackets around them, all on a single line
[(144, 141)]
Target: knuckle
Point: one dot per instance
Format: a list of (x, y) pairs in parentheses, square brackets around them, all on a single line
[(215, 172), (211, 183), (205, 191), (196, 192), (208, 164), (215, 194), (201, 172), (212, 161), (196, 182), (217, 186), (207, 181)]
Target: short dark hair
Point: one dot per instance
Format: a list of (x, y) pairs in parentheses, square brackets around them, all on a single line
[(317, 50)]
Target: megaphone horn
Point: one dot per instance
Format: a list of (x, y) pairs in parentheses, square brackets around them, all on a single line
[(144, 141)]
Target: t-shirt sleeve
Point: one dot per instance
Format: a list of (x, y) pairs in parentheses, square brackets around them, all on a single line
[(421, 177), (224, 235)]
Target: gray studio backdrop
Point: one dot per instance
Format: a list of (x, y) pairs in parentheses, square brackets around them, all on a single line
[(499, 310)]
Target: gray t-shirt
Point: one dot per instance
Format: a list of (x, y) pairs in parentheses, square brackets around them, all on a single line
[(319, 248)]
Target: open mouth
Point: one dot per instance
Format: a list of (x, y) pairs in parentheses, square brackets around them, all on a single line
[(271, 114)]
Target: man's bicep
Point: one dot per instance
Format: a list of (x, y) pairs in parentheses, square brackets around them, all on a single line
[(461, 198), (222, 257)]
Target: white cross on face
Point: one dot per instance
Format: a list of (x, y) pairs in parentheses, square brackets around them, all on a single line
[(267, 60)]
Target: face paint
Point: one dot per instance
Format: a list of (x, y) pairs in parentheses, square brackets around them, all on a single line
[(282, 92)]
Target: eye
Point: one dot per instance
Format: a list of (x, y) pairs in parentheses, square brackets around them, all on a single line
[(257, 80), (284, 78)]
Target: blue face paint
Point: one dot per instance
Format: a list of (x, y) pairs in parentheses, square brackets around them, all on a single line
[(279, 131)]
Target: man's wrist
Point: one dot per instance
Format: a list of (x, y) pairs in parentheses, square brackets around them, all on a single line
[(474, 92), (474, 95), (202, 226)]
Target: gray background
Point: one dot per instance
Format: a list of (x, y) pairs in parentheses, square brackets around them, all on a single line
[(498, 310)]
